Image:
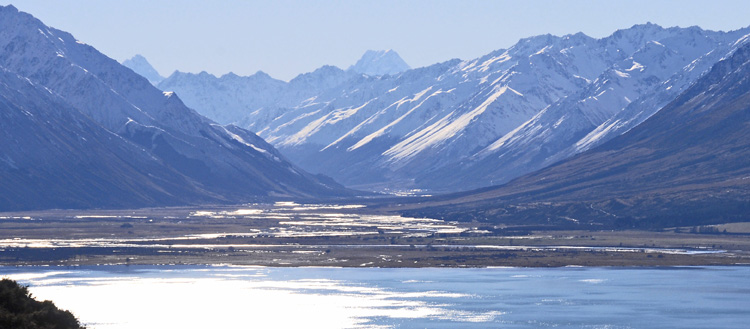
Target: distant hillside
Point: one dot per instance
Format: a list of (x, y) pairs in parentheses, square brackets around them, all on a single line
[(19, 310)]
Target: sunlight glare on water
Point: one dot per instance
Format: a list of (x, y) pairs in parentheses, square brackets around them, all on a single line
[(234, 301), (142, 297)]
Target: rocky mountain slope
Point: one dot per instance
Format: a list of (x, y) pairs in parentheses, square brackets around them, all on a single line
[(54, 156), (622, 97), (688, 164), (81, 130)]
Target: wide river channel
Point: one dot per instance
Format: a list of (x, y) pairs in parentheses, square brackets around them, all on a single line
[(107, 297)]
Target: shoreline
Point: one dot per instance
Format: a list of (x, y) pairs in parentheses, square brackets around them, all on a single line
[(398, 256), (224, 265)]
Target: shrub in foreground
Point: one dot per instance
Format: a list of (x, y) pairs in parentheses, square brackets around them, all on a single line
[(19, 310)]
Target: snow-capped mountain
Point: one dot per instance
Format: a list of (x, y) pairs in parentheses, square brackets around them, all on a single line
[(464, 124), (225, 99), (80, 121), (230, 98), (391, 128), (380, 62), (140, 65), (688, 164), (623, 96)]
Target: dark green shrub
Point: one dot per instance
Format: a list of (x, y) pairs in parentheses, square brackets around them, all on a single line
[(19, 310)]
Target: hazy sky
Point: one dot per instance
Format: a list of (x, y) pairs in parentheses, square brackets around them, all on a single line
[(285, 38)]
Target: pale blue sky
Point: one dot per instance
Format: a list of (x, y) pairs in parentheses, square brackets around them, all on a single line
[(285, 38)]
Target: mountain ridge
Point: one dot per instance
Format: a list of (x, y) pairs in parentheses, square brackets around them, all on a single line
[(640, 93), (241, 94), (435, 127), (688, 164), (137, 127)]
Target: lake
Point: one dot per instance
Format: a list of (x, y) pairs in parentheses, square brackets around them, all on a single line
[(108, 297)]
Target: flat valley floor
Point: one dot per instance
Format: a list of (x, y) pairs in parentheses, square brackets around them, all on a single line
[(345, 235)]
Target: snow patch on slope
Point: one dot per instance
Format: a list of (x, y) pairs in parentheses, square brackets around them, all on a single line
[(393, 123), (439, 131), (313, 127)]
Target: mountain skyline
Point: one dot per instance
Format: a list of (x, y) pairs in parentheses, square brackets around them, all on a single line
[(240, 94), (466, 124), (372, 62), (246, 37)]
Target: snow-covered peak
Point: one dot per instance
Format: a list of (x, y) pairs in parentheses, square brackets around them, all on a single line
[(140, 65), (380, 62)]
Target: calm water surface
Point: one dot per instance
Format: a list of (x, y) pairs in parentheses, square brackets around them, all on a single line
[(106, 297)]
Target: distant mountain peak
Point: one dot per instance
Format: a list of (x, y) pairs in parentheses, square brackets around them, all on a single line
[(9, 7), (380, 62), (231, 75), (260, 73), (138, 58), (647, 25), (140, 65)]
